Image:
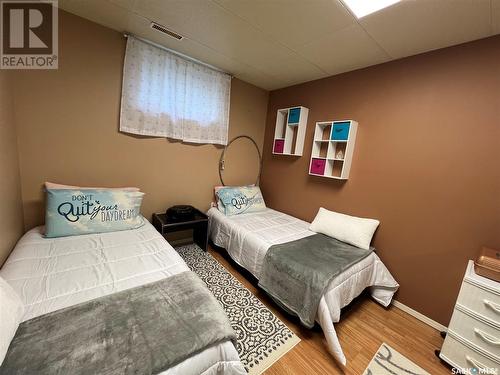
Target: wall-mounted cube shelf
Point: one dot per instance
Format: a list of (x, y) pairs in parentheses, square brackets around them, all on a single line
[(290, 131), (332, 150)]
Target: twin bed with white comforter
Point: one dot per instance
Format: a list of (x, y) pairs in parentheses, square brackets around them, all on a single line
[(51, 274), (247, 237)]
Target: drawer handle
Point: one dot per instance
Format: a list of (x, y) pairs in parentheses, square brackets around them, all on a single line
[(493, 306), (486, 337), (476, 364)]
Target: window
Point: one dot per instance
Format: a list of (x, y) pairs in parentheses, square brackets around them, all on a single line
[(165, 95)]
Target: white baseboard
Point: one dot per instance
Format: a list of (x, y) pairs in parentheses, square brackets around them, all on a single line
[(419, 316)]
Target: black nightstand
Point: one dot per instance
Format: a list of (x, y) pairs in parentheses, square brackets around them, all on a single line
[(199, 225)]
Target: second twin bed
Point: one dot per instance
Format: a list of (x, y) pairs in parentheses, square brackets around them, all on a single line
[(247, 238)]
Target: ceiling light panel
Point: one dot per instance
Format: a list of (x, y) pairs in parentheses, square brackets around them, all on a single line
[(362, 8)]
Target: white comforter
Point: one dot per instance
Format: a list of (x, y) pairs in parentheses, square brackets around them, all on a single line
[(247, 238), (50, 274)]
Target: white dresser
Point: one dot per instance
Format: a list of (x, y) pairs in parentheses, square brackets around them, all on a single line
[(473, 337)]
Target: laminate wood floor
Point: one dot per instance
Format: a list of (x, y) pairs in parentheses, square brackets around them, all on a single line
[(364, 325)]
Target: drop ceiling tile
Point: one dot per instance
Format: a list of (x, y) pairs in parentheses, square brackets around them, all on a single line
[(126, 4), (290, 68), (98, 11), (213, 27), (412, 27), (258, 79), (348, 49), (292, 22), (298, 80), (174, 14), (495, 16)]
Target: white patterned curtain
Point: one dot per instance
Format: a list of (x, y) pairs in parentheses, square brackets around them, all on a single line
[(165, 95)]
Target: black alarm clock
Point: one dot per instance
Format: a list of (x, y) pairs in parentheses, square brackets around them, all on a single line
[(180, 212)]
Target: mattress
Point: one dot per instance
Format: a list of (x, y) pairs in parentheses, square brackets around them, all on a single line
[(50, 274), (247, 237)]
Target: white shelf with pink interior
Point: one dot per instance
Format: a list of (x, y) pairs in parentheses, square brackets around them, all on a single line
[(290, 131), (333, 147)]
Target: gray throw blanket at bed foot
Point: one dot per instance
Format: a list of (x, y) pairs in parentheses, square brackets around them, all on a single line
[(144, 330), (296, 274)]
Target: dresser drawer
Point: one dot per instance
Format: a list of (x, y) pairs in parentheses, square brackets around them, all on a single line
[(481, 334), (462, 356), (481, 301)]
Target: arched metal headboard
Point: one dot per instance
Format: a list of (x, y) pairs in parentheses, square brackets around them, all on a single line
[(222, 158)]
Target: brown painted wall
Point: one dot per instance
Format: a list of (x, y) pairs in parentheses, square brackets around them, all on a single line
[(11, 212), (426, 163), (68, 130)]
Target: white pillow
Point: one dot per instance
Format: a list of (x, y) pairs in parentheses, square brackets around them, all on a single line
[(356, 231), (11, 313)]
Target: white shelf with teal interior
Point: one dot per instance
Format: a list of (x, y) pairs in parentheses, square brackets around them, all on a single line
[(290, 131), (332, 150)]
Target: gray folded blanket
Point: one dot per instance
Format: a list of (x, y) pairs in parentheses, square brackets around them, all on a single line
[(144, 330), (295, 274)]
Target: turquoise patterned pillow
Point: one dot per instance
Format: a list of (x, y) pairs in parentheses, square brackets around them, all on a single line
[(239, 200), (72, 211)]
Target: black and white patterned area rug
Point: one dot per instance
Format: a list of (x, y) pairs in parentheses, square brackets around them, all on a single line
[(262, 338), (388, 361)]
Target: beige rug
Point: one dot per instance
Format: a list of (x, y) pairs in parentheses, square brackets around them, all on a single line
[(262, 338), (388, 361)]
